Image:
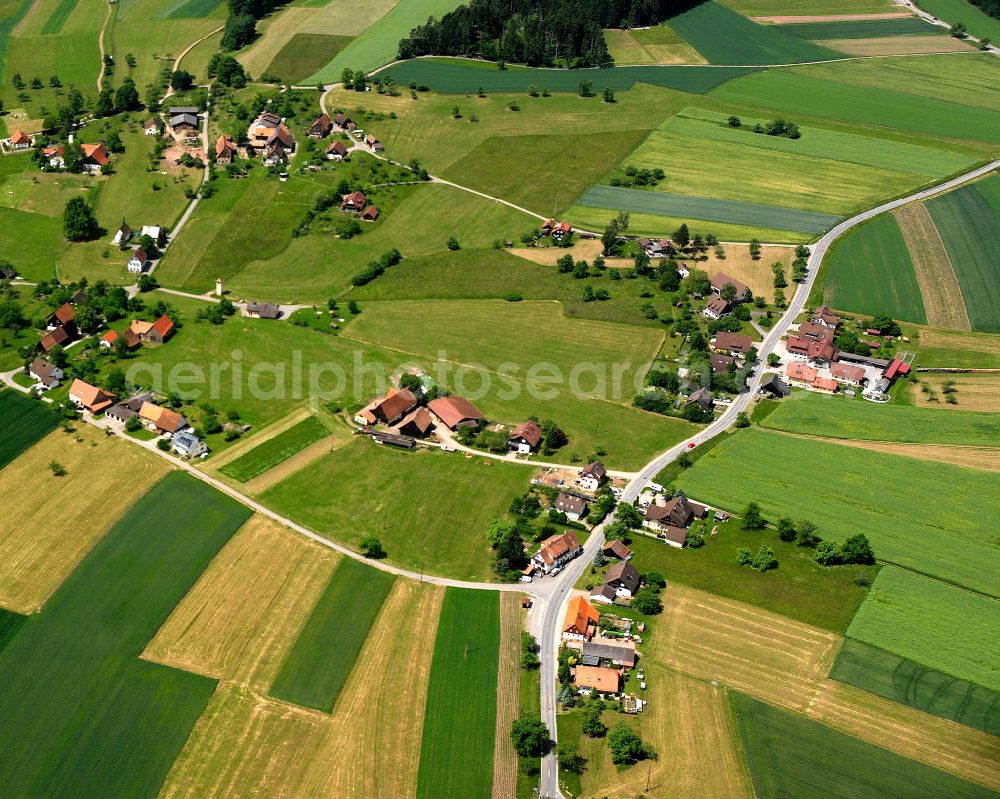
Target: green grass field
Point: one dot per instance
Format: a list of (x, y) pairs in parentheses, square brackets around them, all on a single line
[(870, 271), (430, 510), (275, 450), (725, 37), (23, 421), (910, 683), (11, 13), (970, 228), (865, 491), (186, 9), (862, 29), (58, 17), (812, 414), (456, 757), (952, 11), (932, 623), (707, 209), (379, 44), (83, 715), (761, 8), (320, 661), (793, 93), (305, 53), (449, 77), (791, 755), (10, 623), (800, 588)]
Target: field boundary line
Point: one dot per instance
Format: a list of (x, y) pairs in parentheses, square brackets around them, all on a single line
[(295, 463), (269, 432)]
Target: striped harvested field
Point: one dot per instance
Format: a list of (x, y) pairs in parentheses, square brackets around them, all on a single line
[(900, 45), (974, 392), (504, 756)]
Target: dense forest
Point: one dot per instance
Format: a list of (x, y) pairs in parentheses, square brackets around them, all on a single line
[(535, 32), (991, 7)]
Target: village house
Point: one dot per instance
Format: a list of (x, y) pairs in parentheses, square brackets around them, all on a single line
[(370, 214), (556, 551), (595, 678), (90, 398), (62, 317), (721, 280), (608, 650), (344, 122), (721, 364), (225, 150), (151, 127), (677, 511), (95, 156), (263, 310), (824, 316), (336, 151), (702, 397), (56, 155), (815, 332), (366, 415), (580, 621), (153, 231), (162, 420), (774, 386), (571, 505), (624, 578), (131, 339), (126, 410), (525, 438), (138, 261), (374, 143), (557, 230), (418, 423), (682, 270), (818, 353), (592, 476), (189, 445), (174, 110), (122, 234), (185, 125), (715, 308), (57, 337), (846, 374), (735, 344), (354, 202), (657, 249), (47, 374), (455, 412), (153, 332), (800, 374), (674, 536), (603, 595), (20, 141), (616, 549), (321, 127), (395, 406)]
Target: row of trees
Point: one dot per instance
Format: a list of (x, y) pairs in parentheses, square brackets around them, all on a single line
[(855, 550)]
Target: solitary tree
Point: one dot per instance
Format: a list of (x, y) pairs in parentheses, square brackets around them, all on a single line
[(371, 547), (753, 519), (530, 736), (626, 746), (79, 222), (592, 724)]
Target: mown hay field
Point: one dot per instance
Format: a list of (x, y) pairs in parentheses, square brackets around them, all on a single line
[(862, 28), (978, 23), (812, 414), (105, 476), (270, 453), (959, 349), (23, 422), (910, 683), (870, 271), (880, 490), (762, 8), (932, 623), (505, 772), (900, 45), (786, 752), (456, 757), (655, 45), (82, 713), (973, 392), (318, 665)]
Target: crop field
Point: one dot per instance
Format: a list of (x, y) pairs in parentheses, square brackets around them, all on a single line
[(725, 37), (276, 450), (835, 145), (305, 53), (813, 414), (37, 555), (794, 93), (785, 663), (505, 771), (970, 228), (978, 23), (449, 77), (762, 8), (656, 45), (951, 544), (23, 421), (974, 392), (870, 271), (959, 349), (899, 615), (900, 45), (417, 504), (10, 623), (863, 28), (379, 43), (786, 752), (456, 755), (338, 625), (463, 344), (81, 655), (707, 209), (910, 683)]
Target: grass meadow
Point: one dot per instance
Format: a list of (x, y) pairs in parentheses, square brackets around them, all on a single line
[(725, 37), (305, 53), (862, 29), (761, 8), (23, 421), (861, 490), (813, 414), (933, 623), (456, 757), (83, 715), (959, 349), (319, 663), (969, 225), (430, 509), (10, 623), (870, 271), (655, 45), (275, 450), (905, 681), (785, 752), (978, 23)]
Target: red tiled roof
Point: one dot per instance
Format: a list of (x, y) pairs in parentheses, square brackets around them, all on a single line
[(163, 326), (579, 614), (454, 410), (97, 153), (20, 137), (63, 314), (529, 431)]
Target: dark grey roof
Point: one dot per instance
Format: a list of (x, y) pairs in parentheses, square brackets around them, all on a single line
[(610, 650), (180, 119), (775, 385), (183, 109)]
